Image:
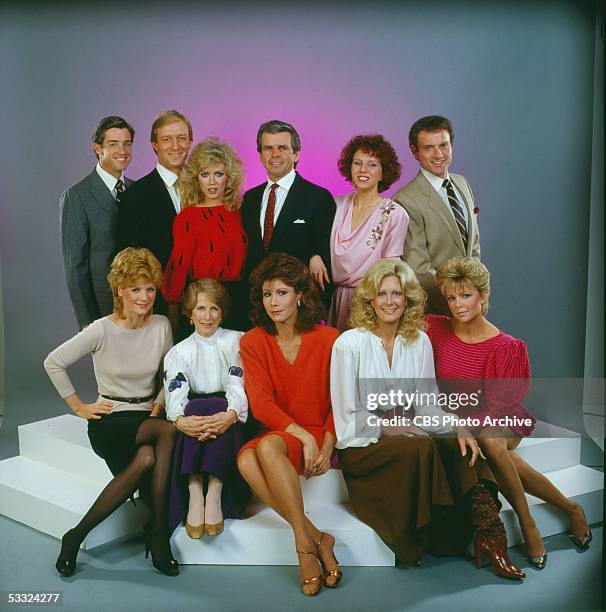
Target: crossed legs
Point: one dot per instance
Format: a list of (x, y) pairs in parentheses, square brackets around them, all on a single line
[(273, 478), (515, 477), (154, 442)]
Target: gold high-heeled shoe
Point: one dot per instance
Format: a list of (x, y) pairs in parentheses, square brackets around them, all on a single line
[(213, 530), (338, 574), (195, 532), (582, 543), (317, 580)]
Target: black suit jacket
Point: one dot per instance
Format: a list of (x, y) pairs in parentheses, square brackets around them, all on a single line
[(145, 217), (303, 227)]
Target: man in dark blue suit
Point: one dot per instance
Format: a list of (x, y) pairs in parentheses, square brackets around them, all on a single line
[(287, 213), (149, 207), (89, 210)]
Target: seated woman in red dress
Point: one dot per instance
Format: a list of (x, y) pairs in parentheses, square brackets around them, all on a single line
[(286, 360), (208, 238), (467, 346)]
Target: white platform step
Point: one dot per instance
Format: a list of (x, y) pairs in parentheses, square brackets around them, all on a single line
[(57, 476), (53, 501)]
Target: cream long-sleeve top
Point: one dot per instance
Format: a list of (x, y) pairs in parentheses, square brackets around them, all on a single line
[(205, 365), (359, 367), (126, 361)]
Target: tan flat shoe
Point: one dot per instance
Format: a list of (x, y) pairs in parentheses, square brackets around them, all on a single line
[(195, 532), (213, 530)]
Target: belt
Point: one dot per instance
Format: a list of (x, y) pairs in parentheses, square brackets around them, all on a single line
[(130, 400), (193, 395)]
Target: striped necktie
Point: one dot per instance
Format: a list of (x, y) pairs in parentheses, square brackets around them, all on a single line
[(457, 210), (119, 189)]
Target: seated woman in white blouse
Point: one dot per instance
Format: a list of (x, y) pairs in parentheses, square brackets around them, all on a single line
[(206, 401), (414, 490)]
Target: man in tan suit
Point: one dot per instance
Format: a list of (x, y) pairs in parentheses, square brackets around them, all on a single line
[(440, 205)]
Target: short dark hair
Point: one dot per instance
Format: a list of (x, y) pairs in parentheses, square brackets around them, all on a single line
[(292, 272), (431, 123), (376, 145), (275, 126), (107, 123)]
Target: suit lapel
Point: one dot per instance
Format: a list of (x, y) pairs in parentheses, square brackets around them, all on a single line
[(167, 207), (438, 207), (101, 194), (290, 209)]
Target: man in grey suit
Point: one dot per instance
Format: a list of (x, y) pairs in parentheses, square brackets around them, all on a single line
[(89, 212), (440, 205)]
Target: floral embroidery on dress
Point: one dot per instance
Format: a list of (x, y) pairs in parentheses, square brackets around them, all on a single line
[(376, 233)]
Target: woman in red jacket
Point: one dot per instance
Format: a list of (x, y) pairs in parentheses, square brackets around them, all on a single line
[(469, 351), (286, 360), (208, 238)]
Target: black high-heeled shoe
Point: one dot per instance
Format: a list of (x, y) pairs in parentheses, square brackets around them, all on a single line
[(163, 563), (66, 561)]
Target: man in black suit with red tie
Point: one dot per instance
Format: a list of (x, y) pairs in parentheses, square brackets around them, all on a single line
[(149, 206), (288, 214)]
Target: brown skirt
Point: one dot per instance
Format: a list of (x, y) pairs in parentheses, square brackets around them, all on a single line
[(411, 491)]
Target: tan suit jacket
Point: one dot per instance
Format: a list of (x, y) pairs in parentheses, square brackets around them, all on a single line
[(433, 236)]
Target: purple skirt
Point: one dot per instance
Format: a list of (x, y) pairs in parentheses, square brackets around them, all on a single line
[(211, 457)]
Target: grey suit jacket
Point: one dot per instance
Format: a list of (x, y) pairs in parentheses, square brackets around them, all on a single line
[(88, 233), (433, 236)]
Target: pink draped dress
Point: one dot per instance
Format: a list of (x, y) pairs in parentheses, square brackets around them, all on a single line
[(381, 235)]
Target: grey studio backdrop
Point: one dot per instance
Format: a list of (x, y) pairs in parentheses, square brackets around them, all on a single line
[(518, 80)]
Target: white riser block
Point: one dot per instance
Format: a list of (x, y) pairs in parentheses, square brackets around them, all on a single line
[(62, 442), (53, 501), (329, 488), (580, 483), (266, 539), (550, 454)]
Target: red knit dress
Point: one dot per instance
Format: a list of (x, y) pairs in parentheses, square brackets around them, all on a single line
[(499, 366), (208, 242), (281, 393)]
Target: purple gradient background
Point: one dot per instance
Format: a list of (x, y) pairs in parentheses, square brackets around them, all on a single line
[(515, 78)]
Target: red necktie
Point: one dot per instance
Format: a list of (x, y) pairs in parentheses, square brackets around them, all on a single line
[(268, 221)]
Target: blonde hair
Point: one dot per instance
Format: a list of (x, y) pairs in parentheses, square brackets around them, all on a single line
[(207, 152), (362, 311), (459, 271), (213, 289), (165, 118), (128, 266)]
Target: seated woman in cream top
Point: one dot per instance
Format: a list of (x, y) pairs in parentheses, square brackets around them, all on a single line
[(127, 349)]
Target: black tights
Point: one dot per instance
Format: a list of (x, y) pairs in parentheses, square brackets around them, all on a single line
[(154, 441)]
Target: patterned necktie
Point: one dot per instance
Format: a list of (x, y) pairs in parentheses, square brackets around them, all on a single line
[(268, 222), (119, 189), (457, 211)]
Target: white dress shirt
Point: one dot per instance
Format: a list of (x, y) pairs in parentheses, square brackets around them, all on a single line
[(170, 178), (359, 366), (110, 180), (284, 184), (206, 365), (436, 183)]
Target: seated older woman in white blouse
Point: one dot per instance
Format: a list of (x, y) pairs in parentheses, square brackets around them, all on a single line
[(205, 400), (396, 474)]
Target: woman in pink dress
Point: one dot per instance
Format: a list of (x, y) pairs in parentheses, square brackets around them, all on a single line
[(367, 227), (467, 346)]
